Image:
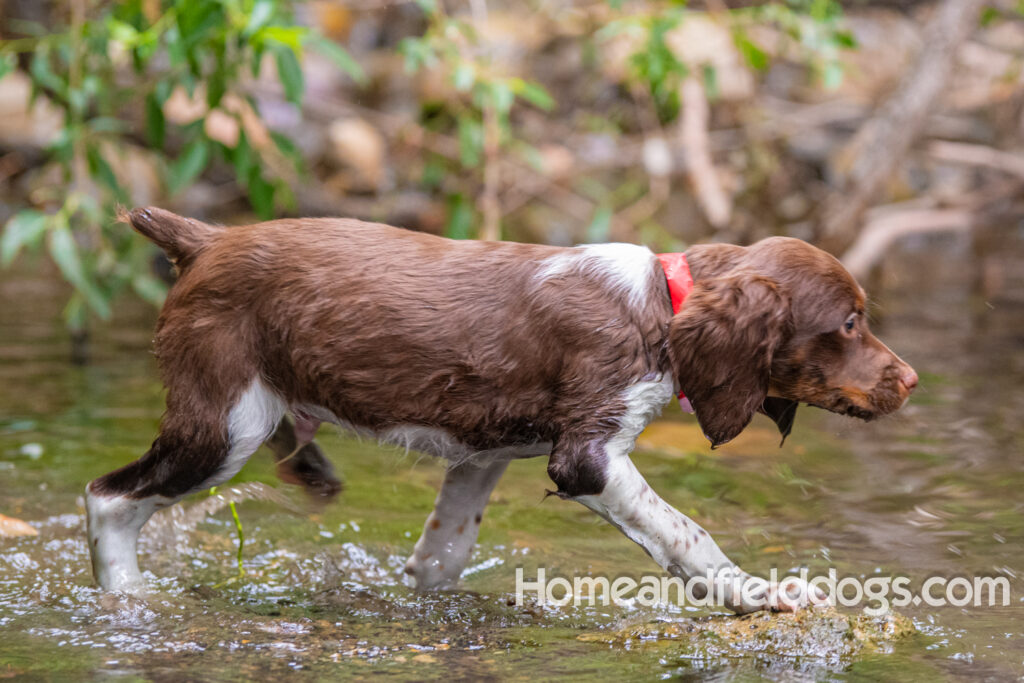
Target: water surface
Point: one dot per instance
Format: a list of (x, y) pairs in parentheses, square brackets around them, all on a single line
[(937, 489)]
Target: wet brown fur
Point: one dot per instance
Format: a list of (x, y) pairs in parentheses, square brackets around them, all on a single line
[(384, 327), (762, 330)]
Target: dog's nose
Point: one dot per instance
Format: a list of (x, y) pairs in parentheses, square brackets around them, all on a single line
[(908, 378)]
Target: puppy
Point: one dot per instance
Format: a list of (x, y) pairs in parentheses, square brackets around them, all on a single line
[(482, 352)]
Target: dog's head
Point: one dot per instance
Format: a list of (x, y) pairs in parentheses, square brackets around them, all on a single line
[(775, 324)]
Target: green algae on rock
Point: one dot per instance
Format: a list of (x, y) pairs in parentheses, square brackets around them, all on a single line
[(822, 634)]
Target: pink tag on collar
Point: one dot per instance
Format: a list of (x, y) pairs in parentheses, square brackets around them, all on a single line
[(680, 284)]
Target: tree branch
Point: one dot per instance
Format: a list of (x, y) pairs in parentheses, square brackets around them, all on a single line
[(884, 139), (693, 133)]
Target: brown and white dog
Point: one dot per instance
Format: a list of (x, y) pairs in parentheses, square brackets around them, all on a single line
[(482, 352)]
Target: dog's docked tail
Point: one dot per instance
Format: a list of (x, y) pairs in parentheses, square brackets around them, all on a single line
[(181, 238)]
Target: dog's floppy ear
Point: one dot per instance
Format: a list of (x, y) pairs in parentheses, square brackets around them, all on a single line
[(782, 411), (721, 346)]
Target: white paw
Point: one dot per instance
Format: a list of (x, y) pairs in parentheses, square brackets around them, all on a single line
[(792, 594), (429, 573)]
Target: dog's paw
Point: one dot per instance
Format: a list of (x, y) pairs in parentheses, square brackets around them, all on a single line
[(792, 594), (789, 595)]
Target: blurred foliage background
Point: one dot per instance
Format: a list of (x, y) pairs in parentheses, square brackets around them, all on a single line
[(851, 124)]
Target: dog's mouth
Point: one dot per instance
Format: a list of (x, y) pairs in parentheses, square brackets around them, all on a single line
[(889, 392), (882, 400), (844, 406), (860, 413)]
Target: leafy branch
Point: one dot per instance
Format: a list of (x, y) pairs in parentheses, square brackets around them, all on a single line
[(174, 74), (480, 113)]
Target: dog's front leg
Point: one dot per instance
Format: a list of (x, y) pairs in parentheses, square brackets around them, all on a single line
[(450, 531), (677, 543)]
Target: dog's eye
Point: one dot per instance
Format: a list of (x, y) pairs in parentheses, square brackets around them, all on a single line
[(850, 322)]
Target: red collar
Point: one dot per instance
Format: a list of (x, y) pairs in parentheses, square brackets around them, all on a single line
[(680, 284)]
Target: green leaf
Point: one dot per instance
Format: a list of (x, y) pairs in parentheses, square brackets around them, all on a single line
[(824, 10), (122, 32), (434, 173), (418, 54), (43, 75), (162, 91), (284, 197), (24, 229), (256, 60), (199, 22), (464, 77), (62, 146), (177, 53), (65, 254), (530, 154), (79, 100), (189, 165), (241, 157), (261, 14), (460, 218), (534, 93), (156, 127), (261, 196), (471, 141), (291, 37), (75, 316), (288, 148), (290, 74), (754, 55), (600, 225), (107, 124), (845, 39), (7, 64), (709, 75), (339, 55), (216, 85), (149, 288), (501, 96), (618, 27), (832, 75), (100, 169)]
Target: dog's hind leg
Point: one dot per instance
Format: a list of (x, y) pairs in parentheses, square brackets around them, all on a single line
[(450, 531), (303, 462), (200, 445)]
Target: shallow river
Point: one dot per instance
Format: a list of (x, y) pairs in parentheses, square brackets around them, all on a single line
[(936, 490)]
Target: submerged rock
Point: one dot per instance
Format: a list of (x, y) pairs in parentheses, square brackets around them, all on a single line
[(822, 634)]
